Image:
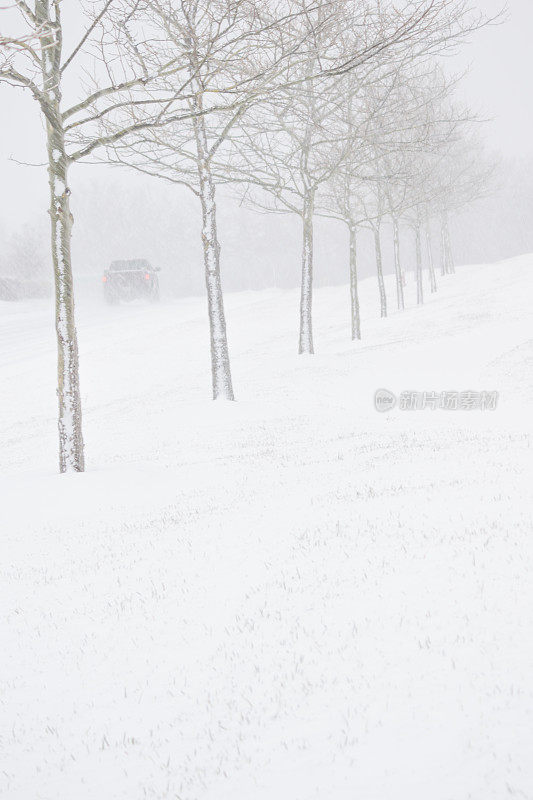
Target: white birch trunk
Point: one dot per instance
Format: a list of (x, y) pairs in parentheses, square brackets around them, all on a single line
[(71, 455), (220, 364), (443, 249), (432, 276), (450, 266), (397, 265), (379, 268), (354, 289), (419, 277), (306, 298)]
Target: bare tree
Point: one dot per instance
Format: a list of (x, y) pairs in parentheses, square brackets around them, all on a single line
[(129, 81), (258, 50), (114, 49), (467, 175), (339, 199), (434, 126), (431, 263), (297, 145), (247, 50), (360, 192), (263, 56)]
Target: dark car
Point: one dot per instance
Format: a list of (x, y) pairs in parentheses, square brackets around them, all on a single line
[(129, 280)]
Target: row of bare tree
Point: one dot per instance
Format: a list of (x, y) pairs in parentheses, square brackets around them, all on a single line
[(331, 107)]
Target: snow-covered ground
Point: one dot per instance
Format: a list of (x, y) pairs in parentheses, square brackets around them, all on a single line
[(285, 598)]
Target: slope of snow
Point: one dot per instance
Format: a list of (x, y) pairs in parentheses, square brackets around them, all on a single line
[(287, 597)]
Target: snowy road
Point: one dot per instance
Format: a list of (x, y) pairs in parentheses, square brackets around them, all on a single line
[(288, 597)]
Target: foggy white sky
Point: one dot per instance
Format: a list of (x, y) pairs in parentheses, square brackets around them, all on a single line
[(500, 79), (498, 86)]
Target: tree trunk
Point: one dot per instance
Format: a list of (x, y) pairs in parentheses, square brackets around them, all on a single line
[(306, 299), (379, 267), (450, 267), (220, 364), (354, 291), (432, 276), (442, 249), (71, 455), (397, 265), (419, 285)]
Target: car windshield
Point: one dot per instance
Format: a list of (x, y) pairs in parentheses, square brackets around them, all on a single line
[(134, 264)]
